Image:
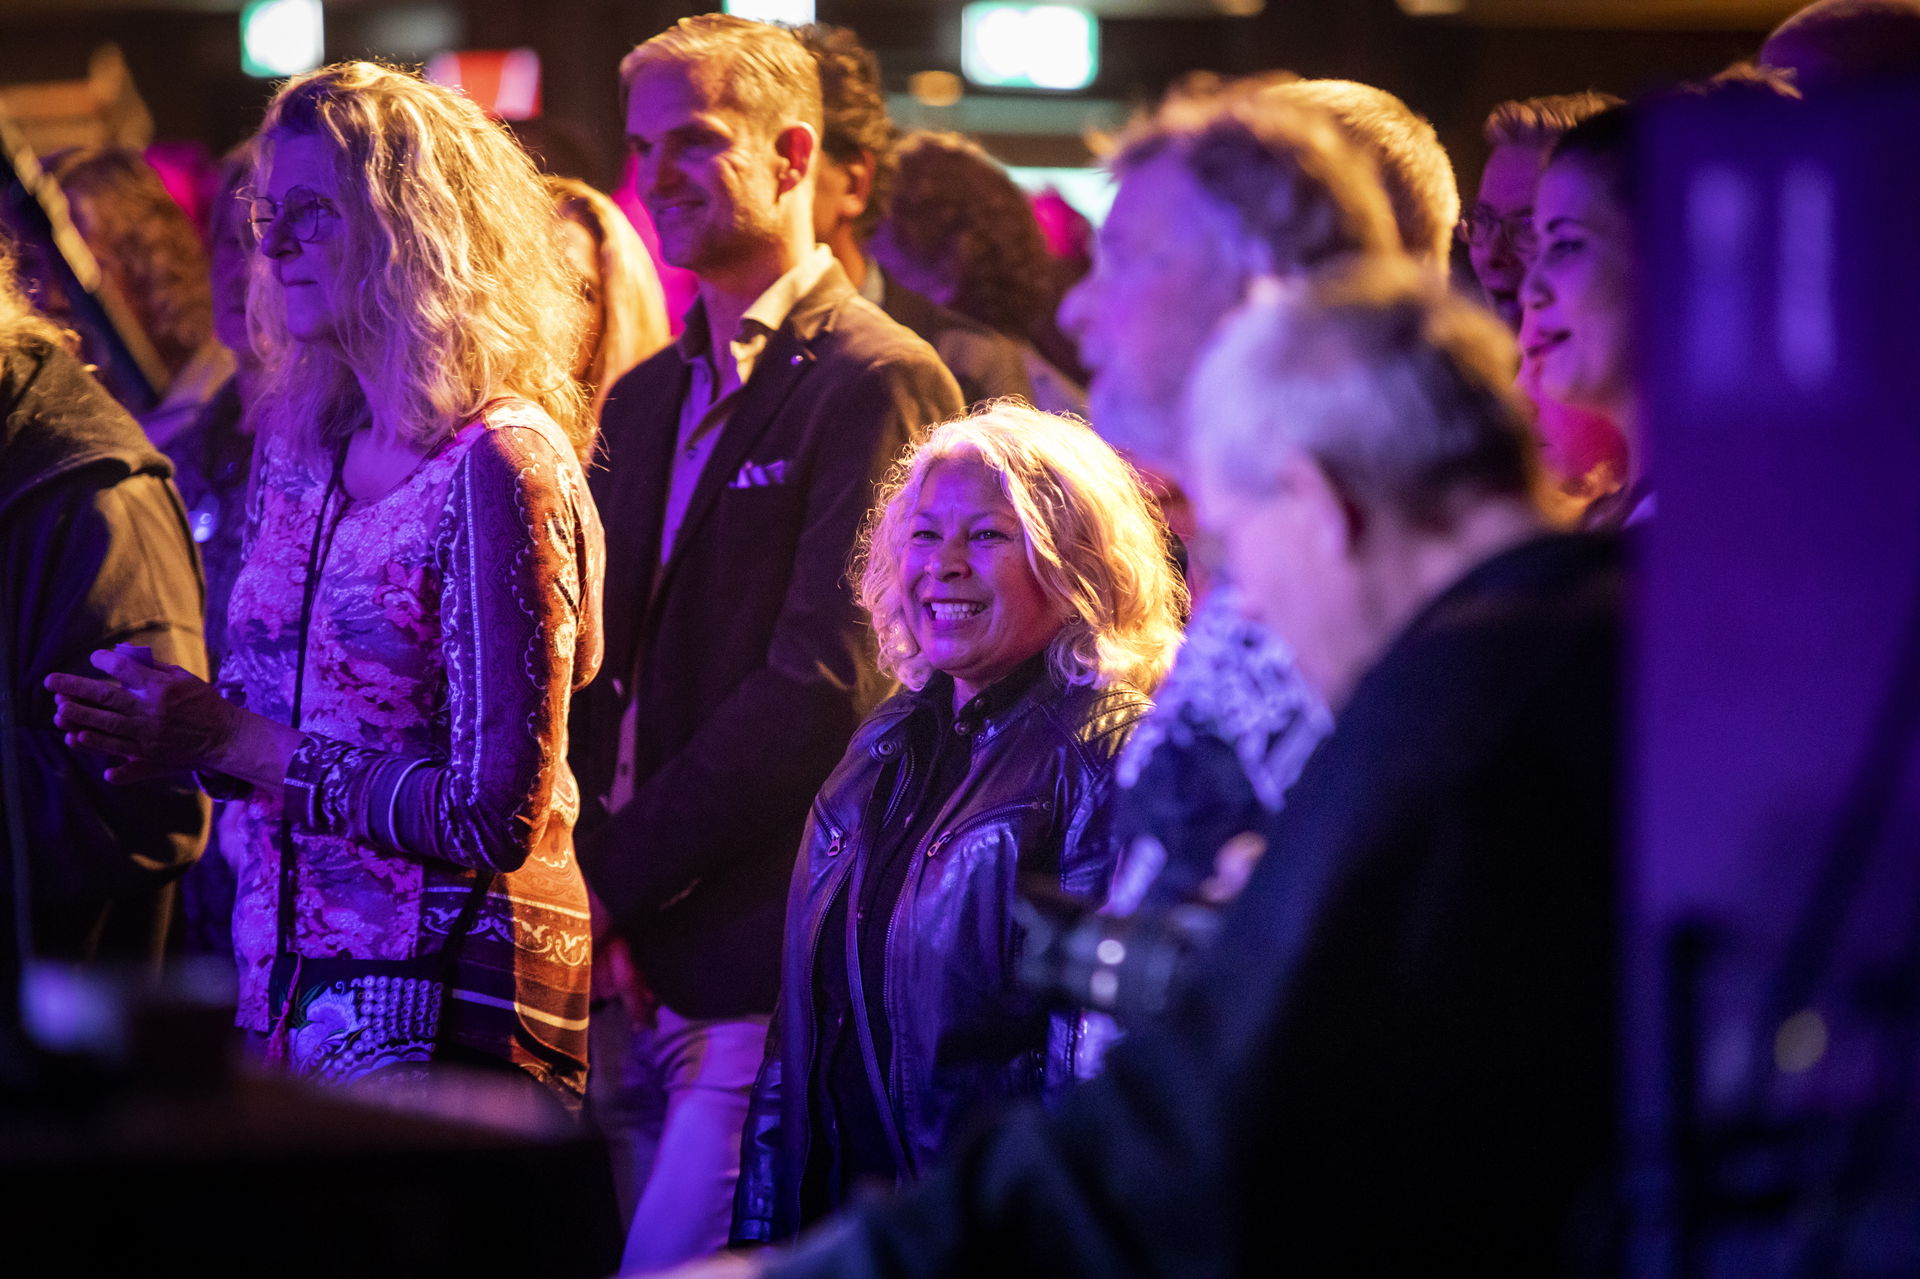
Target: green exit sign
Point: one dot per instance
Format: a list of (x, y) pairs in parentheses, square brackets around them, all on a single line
[(281, 37), (1029, 46)]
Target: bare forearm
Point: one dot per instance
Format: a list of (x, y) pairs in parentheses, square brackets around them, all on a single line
[(256, 752)]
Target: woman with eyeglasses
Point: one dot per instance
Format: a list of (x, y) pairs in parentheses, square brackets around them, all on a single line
[(420, 598)]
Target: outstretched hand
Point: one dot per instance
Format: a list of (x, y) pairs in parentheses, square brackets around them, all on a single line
[(154, 718)]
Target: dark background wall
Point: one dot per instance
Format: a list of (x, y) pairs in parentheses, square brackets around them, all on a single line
[(185, 56)]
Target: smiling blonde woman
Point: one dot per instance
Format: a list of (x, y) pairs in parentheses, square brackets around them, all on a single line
[(1017, 576)]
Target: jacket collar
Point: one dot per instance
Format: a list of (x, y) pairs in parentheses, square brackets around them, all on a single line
[(56, 419), (988, 713)]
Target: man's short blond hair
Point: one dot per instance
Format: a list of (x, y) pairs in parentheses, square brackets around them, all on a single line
[(760, 71)]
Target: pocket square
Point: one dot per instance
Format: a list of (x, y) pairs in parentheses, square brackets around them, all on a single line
[(758, 475)]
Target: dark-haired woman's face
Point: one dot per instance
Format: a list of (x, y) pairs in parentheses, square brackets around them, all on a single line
[(1576, 333), (303, 237)]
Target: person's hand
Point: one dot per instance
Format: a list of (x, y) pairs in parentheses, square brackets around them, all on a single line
[(155, 718), (617, 978), (1232, 867)]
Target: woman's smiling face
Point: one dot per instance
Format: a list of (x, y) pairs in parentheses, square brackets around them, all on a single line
[(974, 607), (1576, 333)]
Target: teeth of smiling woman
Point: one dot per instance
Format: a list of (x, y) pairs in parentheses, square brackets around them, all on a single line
[(955, 612)]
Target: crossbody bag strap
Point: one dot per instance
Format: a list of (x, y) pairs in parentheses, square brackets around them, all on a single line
[(325, 524)]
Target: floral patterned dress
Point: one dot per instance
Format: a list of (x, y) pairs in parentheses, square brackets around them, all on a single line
[(452, 619)]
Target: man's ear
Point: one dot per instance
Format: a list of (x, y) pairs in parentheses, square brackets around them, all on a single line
[(796, 145), (859, 170), (1335, 522)]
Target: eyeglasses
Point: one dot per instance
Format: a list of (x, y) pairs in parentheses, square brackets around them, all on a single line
[(1481, 226), (306, 215)]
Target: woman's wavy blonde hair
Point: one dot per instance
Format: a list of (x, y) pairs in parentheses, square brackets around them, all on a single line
[(1095, 540), (465, 289)]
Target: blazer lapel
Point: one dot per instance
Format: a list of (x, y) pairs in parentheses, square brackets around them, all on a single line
[(645, 443), (785, 361)]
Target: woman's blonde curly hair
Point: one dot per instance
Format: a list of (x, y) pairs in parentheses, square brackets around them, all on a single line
[(466, 292), (1095, 540)]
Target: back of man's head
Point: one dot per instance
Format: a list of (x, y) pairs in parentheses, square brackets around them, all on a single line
[(1413, 166), (1294, 187), (759, 71), (1832, 43), (1400, 390), (855, 105)]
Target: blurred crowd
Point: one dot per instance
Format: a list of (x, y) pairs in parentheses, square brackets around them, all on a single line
[(954, 738)]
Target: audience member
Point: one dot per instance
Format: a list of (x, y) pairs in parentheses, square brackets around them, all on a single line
[(857, 171), (1413, 167), (213, 467), (1576, 334), (420, 597), (961, 231), (93, 553), (625, 307), (212, 452), (1498, 228), (1444, 873), (740, 462), (1581, 450), (148, 248), (1579, 295), (1015, 572), (1833, 44), (1215, 190)]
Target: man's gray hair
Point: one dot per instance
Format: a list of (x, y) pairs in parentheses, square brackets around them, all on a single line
[(1291, 181), (1413, 166), (1401, 391)]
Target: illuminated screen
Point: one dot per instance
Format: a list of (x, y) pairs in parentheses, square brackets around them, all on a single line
[(1029, 46), (280, 37)]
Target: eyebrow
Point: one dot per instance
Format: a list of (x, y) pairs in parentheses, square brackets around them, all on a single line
[(1552, 223)]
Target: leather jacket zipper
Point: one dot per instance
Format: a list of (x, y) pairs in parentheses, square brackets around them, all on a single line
[(907, 889), (869, 1052)]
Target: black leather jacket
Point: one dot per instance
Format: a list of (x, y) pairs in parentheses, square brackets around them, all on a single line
[(1031, 803)]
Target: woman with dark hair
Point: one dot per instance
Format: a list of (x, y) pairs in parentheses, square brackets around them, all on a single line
[(962, 232), (419, 601), (1579, 295)]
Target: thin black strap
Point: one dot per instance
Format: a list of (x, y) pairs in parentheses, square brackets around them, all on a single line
[(469, 912), (323, 531)]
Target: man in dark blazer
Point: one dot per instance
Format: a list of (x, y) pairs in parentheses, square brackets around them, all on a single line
[(857, 168), (740, 462)]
